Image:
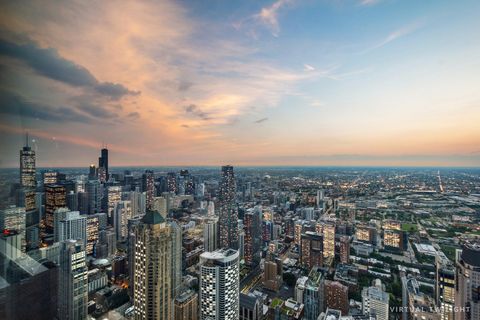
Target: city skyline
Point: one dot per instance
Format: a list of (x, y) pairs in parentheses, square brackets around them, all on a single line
[(286, 82)]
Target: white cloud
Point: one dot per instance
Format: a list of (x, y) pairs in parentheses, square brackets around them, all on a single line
[(396, 34), (308, 67), (269, 15)]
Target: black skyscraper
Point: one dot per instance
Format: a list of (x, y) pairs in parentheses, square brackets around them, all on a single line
[(103, 165), (228, 211)]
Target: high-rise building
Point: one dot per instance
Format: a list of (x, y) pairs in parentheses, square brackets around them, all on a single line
[(273, 274), (148, 182), (300, 289), (152, 271), (228, 222), (210, 235), (93, 224), (298, 230), (13, 218), (49, 177), (395, 239), (103, 174), (329, 240), (186, 306), (211, 209), (94, 195), (27, 166), (445, 287), (73, 281), (121, 213), (375, 301), (344, 251), (366, 233), (419, 305), (176, 257), (70, 225), (114, 195), (72, 201), (172, 182), (219, 285), (253, 229), (313, 294), (467, 282), (28, 183), (82, 200), (311, 249), (160, 205), (336, 296), (250, 307), (92, 172), (11, 243), (55, 198)]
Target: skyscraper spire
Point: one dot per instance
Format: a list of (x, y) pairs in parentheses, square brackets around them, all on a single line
[(26, 139)]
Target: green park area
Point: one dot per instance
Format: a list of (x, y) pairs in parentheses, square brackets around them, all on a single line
[(410, 227)]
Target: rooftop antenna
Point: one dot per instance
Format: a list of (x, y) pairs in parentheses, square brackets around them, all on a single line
[(26, 139)]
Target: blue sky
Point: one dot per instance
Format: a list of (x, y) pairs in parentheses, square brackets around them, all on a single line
[(287, 82)]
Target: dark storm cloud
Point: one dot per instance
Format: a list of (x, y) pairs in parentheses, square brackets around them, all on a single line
[(12, 104), (194, 110), (261, 120), (47, 62)]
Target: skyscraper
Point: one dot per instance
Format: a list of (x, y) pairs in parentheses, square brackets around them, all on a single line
[(149, 188), (344, 249), (228, 223), (73, 281), (55, 198), (69, 225), (172, 182), (467, 282), (92, 172), (336, 296), (329, 240), (114, 195), (121, 213), (311, 249), (152, 271), (13, 218), (94, 196), (186, 306), (210, 235), (176, 257), (103, 173), (253, 240), (219, 285), (27, 166), (272, 274), (313, 294), (93, 224), (28, 184), (445, 287), (375, 301)]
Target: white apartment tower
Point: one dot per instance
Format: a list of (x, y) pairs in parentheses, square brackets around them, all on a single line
[(219, 285)]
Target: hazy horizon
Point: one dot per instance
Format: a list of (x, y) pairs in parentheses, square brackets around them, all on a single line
[(252, 83)]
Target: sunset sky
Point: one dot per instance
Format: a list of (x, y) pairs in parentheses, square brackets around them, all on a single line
[(287, 82)]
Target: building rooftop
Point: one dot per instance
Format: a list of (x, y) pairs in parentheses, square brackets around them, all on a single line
[(153, 217), (471, 254)]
